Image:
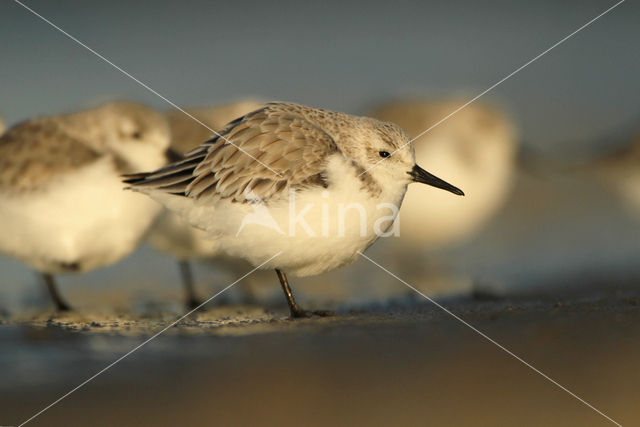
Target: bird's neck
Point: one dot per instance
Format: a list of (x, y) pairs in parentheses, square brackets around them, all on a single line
[(346, 174)]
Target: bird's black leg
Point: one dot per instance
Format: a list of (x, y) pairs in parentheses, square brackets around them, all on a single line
[(294, 308), (60, 304), (191, 300)]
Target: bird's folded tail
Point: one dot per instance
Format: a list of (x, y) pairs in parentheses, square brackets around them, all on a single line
[(172, 179)]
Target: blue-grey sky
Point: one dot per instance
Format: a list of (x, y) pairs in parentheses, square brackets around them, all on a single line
[(340, 55)]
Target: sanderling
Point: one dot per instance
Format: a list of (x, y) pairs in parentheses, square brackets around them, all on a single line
[(62, 208), (292, 181), (170, 233), (475, 148)]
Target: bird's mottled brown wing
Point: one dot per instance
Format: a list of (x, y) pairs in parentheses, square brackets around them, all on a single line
[(272, 150), (35, 152)]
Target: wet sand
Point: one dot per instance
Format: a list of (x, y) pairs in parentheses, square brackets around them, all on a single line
[(402, 363)]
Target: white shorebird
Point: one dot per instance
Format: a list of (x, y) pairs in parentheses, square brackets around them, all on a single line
[(171, 233), (327, 179), (62, 208), (476, 148)]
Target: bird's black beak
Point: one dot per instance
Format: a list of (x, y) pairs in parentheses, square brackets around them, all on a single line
[(172, 155), (420, 175)]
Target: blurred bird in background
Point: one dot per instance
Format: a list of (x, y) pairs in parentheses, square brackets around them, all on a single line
[(171, 234), (475, 148), (62, 207)]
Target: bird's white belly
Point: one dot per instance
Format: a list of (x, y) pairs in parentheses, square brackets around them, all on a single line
[(309, 241), (320, 231), (82, 221)]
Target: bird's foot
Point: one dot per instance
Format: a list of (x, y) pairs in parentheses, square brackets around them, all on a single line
[(193, 303), (63, 307)]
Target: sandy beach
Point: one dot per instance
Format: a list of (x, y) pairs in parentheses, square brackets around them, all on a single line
[(404, 363)]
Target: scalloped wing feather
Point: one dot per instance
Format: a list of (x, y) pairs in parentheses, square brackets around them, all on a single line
[(273, 150)]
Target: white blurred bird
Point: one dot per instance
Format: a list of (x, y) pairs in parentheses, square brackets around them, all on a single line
[(62, 208), (304, 165), (476, 148), (172, 234)]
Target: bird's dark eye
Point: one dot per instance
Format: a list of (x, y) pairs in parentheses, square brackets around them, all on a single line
[(136, 135), (384, 154)]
